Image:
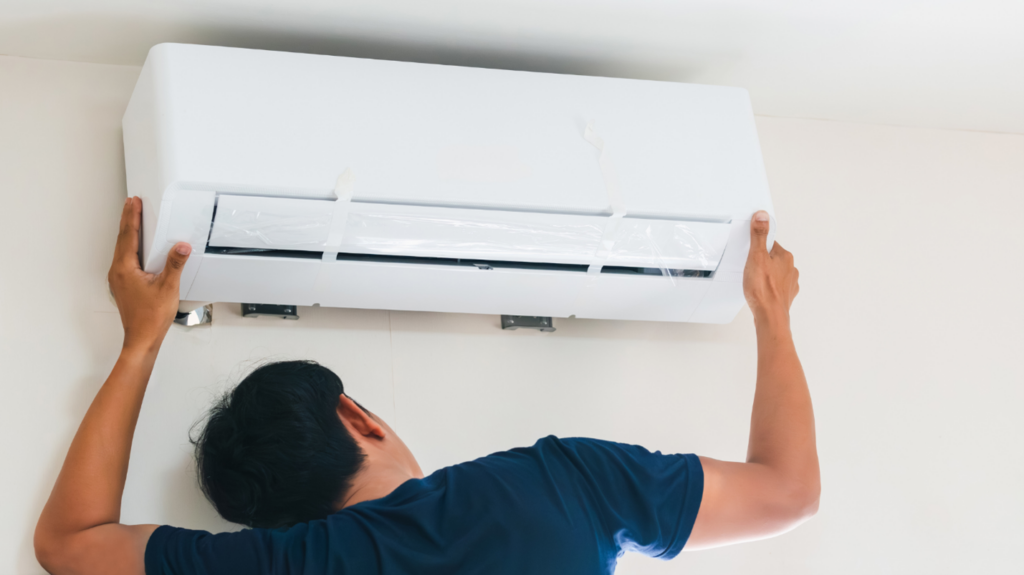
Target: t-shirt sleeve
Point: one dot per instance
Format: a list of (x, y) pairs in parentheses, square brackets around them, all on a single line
[(642, 501), (175, 551)]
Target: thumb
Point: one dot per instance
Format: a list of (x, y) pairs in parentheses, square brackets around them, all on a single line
[(176, 259), (759, 225)]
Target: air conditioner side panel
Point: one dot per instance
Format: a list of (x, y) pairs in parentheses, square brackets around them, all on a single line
[(142, 163)]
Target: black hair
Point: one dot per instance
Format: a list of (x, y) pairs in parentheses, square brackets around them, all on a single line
[(273, 451)]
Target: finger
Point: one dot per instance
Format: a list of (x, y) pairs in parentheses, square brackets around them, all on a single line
[(125, 213), (176, 259), (129, 240), (779, 251), (759, 225), (127, 237)]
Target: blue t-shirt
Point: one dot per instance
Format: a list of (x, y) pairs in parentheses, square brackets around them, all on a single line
[(563, 506)]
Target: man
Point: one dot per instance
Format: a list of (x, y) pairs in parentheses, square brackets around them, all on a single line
[(330, 488)]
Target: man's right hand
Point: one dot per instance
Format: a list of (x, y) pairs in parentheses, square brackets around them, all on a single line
[(147, 302), (769, 278)]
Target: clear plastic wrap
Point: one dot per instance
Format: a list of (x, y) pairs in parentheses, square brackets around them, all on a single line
[(271, 229), (666, 244), (483, 237), (438, 232)]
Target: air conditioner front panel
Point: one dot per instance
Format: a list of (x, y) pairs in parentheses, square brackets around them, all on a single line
[(449, 289), (290, 123), (241, 279), (415, 287)]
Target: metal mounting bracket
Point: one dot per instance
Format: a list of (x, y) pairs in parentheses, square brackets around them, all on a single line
[(281, 311), (527, 321), (199, 316)]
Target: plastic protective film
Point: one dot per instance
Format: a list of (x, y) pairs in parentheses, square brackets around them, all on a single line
[(670, 246), (271, 229), (483, 237)]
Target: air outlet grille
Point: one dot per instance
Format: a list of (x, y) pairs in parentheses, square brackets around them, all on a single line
[(477, 263)]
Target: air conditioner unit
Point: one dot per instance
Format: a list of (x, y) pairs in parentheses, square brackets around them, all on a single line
[(345, 182)]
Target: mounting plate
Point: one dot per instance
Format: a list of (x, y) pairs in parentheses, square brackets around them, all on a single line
[(527, 321), (281, 311), (199, 316)]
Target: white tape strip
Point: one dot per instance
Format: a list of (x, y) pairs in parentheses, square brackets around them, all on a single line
[(611, 184), (343, 194)]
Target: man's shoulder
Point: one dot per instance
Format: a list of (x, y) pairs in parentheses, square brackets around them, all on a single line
[(544, 445), (550, 453)]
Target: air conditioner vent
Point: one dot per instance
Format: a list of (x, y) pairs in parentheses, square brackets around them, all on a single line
[(464, 262)]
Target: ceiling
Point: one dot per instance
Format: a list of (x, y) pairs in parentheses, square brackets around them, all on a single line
[(956, 64)]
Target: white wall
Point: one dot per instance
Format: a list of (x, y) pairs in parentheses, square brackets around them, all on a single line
[(910, 324), (928, 64)]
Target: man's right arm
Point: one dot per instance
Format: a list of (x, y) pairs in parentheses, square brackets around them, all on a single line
[(777, 488), (80, 531)]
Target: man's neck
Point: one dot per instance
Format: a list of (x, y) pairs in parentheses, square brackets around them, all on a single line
[(377, 479)]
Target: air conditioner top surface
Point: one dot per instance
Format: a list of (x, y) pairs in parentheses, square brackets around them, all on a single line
[(286, 125)]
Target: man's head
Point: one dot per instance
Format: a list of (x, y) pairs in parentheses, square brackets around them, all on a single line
[(277, 450)]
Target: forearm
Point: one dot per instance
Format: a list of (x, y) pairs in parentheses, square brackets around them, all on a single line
[(89, 488), (79, 530), (782, 420)]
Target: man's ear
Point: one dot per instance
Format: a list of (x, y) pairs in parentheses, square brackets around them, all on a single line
[(358, 419)]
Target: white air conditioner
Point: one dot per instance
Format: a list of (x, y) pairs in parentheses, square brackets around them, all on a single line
[(344, 182)]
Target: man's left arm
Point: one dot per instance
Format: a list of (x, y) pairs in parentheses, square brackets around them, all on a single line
[(79, 531)]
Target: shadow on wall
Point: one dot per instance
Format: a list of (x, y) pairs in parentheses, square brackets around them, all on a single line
[(118, 39)]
